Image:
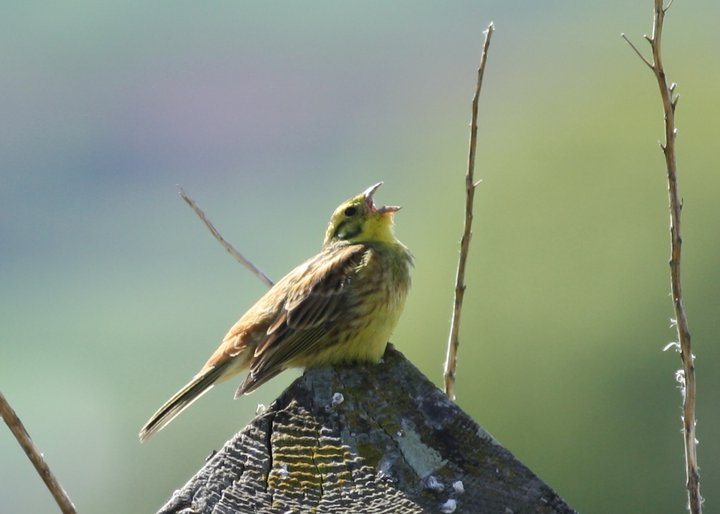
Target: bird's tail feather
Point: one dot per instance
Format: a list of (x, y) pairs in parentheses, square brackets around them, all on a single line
[(181, 400)]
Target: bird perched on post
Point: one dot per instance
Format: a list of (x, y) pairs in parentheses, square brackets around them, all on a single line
[(339, 306)]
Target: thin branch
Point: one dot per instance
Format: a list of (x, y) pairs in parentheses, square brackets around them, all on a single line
[(686, 376), (639, 54), (23, 438), (470, 185), (228, 247)]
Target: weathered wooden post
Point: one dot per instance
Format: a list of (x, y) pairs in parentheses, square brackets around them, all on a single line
[(364, 439)]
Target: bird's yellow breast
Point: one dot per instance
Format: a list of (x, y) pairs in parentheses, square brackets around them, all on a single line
[(380, 288)]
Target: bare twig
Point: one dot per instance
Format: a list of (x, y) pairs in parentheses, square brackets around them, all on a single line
[(23, 438), (470, 185), (635, 49), (686, 376), (232, 251)]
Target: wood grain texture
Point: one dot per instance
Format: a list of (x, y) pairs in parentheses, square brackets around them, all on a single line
[(364, 439)]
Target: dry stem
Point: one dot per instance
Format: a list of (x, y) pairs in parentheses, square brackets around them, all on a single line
[(232, 251), (686, 376), (470, 185), (23, 438)]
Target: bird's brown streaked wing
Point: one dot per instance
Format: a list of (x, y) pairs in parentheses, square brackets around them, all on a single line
[(253, 327), (313, 302), (295, 344), (316, 297)]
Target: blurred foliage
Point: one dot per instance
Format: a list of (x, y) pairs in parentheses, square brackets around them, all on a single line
[(114, 294)]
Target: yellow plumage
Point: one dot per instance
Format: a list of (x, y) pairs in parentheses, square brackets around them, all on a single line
[(339, 306)]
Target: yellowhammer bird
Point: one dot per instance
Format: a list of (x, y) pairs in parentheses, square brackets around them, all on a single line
[(339, 306)]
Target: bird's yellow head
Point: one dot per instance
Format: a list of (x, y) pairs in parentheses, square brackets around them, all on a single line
[(358, 220)]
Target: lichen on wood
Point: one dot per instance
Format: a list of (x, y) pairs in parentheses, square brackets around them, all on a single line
[(393, 444)]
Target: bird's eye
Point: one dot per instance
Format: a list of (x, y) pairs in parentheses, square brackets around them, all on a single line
[(350, 211)]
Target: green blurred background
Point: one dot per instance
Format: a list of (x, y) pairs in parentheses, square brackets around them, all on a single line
[(113, 293)]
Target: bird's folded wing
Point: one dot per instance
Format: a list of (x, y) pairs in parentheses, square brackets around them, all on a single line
[(314, 301)]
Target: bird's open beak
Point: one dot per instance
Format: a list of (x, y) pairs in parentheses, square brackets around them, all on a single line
[(385, 209)]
